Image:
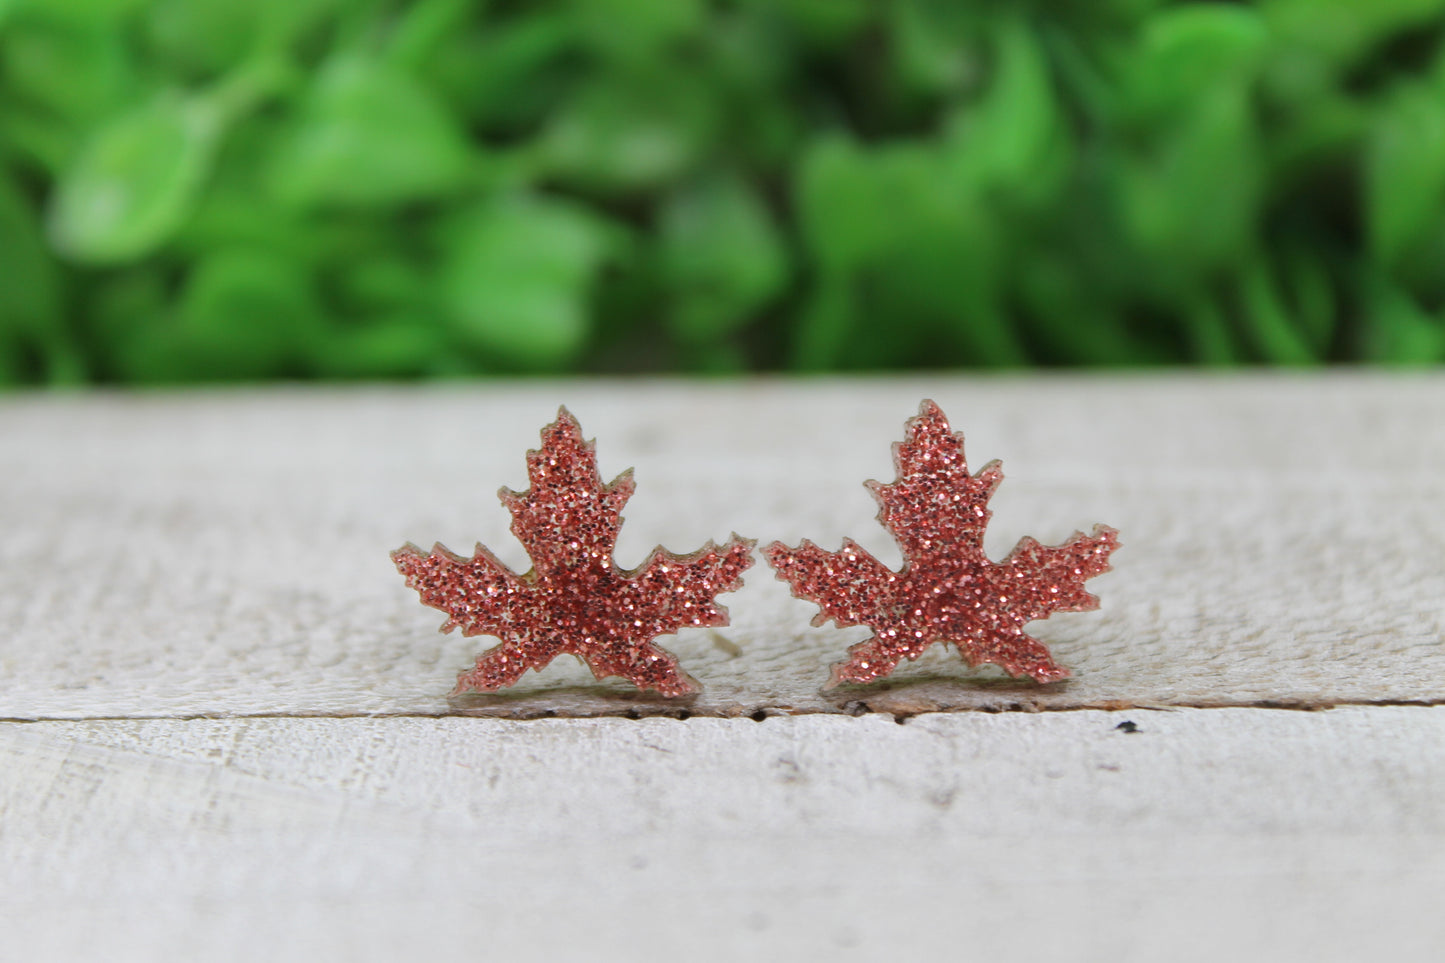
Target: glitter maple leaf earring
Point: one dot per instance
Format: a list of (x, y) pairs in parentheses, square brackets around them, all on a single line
[(575, 599), (948, 590)]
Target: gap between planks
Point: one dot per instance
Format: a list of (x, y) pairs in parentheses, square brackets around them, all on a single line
[(851, 710)]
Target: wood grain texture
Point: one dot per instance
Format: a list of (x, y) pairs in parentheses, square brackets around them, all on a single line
[(225, 554), (1239, 834)]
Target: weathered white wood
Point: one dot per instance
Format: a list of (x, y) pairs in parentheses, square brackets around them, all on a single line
[(225, 553), (1239, 834)]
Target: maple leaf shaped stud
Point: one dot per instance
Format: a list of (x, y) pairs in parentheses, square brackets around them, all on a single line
[(948, 589), (575, 599)]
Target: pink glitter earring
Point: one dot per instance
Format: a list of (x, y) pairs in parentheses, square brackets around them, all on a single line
[(948, 590), (575, 599)]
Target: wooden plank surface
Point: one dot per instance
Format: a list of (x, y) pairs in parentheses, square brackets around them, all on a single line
[(1238, 834), (244, 747), (225, 553)]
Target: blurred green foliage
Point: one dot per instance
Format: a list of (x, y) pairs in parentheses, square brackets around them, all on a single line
[(251, 189)]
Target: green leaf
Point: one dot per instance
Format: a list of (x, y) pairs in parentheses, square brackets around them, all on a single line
[(1323, 133), (854, 204), (401, 345), (517, 278), (202, 36), (246, 315), (1308, 281), (135, 182), (824, 23), (1187, 51), (1397, 330), (1210, 340), (1405, 171), (1014, 139), (1342, 31), (30, 305), (825, 325), (722, 257), (1277, 336), (1193, 203), (217, 35), (127, 317), (1129, 11), (629, 133), (241, 314), (1073, 318), (33, 304), (634, 29), (892, 222), (369, 136), (423, 27), (384, 282), (506, 80), (76, 71), (81, 11), (933, 45)]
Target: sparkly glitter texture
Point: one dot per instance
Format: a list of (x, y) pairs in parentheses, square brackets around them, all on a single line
[(575, 599), (948, 590)]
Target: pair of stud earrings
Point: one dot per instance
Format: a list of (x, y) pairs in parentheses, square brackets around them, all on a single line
[(577, 600)]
